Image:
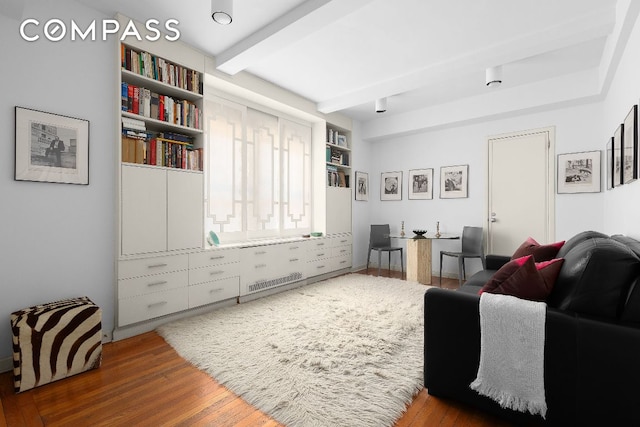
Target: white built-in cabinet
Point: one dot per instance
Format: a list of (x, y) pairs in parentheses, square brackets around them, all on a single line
[(164, 266), (161, 210)]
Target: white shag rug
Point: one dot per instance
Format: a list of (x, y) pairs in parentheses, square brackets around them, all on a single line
[(343, 352)]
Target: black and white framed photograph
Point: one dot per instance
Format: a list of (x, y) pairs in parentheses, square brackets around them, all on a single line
[(609, 164), (617, 157), (51, 148), (391, 186), (362, 186), (454, 182), (579, 172), (630, 146), (421, 184)]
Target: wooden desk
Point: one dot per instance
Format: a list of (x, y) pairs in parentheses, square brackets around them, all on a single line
[(419, 255)]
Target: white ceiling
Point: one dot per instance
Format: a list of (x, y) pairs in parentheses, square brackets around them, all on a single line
[(343, 54)]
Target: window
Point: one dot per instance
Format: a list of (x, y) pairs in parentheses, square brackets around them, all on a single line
[(258, 174)]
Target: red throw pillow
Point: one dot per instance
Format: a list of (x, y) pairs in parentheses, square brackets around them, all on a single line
[(525, 279), (540, 252)]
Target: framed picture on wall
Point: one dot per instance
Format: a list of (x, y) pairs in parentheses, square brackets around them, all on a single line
[(630, 146), (362, 186), (617, 157), (420, 184), (51, 148), (454, 182), (391, 186), (579, 172), (609, 164)]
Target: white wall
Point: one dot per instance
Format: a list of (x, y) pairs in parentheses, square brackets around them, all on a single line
[(622, 205), (57, 240), (577, 129)]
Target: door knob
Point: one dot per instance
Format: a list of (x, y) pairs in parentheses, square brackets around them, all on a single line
[(493, 220)]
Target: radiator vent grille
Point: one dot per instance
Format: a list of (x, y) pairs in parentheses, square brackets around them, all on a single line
[(266, 284)]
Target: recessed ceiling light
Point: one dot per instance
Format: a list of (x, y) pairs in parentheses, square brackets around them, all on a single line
[(222, 11)]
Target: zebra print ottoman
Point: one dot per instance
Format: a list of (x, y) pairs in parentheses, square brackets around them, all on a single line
[(54, 341)]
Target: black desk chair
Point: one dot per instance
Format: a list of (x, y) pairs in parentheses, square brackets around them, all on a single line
[(380, 241), (472, 247)]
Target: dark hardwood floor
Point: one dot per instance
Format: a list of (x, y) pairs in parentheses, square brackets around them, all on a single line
[(143, 382)]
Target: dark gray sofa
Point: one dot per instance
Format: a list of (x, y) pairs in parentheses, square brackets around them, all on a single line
[(592, 342)]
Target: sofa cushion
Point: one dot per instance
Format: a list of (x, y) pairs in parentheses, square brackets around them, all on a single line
[(525, 279), (578, 238), (595, 278), (539, 252)]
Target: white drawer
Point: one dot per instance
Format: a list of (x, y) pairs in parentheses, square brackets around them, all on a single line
[(319, 253), (341, 251), (144, 307), (339, 240), (156, 265), (315, 268), (318, 243), (215, 272), (155, 283), (294, 247), (294, 262), (214, 257), (210, 292), (341, 262)]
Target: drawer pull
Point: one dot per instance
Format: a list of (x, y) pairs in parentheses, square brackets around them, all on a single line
[(320, 244), (157, 304), (320, 254), (320, 266), (343, 262), (213, 258), (261, 266), (294, 259), (293, 248), (260, 252), (158, 265), (164, 282), (343, 251), (343, 241), (213, 273), (212, 291)]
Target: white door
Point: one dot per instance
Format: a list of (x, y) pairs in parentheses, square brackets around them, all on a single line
[(185, 221), (521, 190)]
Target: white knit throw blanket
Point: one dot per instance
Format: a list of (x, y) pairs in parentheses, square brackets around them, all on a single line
[(511, 370)]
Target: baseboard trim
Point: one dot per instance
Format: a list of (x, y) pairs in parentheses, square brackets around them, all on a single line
[(6, 364)]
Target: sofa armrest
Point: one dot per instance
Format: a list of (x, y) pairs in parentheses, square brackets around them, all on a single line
[(494, 262), (452, 356)]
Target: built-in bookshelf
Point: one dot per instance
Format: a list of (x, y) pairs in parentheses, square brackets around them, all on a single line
[(161, 111), (338, 157)]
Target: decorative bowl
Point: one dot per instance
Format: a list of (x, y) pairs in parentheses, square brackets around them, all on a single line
[(316, 234), (419, 232)]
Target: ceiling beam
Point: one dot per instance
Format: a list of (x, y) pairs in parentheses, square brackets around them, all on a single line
[(584, 28), (310, 16)]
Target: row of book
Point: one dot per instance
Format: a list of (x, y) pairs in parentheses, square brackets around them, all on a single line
[(156, 68), (144, 102), (161, 152), (336, 178), (337, 157)]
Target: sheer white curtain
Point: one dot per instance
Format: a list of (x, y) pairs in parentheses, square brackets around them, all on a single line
[(258, 173)]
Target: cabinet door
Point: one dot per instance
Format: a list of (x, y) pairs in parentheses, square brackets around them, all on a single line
[(144, 211), (338, 210), (184, 210)]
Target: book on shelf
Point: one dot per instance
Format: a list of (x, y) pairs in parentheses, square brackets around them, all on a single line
[(342, 179), (157, 68), (149, 149), (146, 103)]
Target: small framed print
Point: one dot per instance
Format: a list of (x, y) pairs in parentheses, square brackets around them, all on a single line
[(579, 172), (391, 186), (617, 157), (51, 148), (454, 182), (609, 164), (362, 186), (630, 146), (421, 184)]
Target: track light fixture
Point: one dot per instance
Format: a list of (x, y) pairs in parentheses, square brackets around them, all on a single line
[(222, 11), (381, 105), (494, 76)]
